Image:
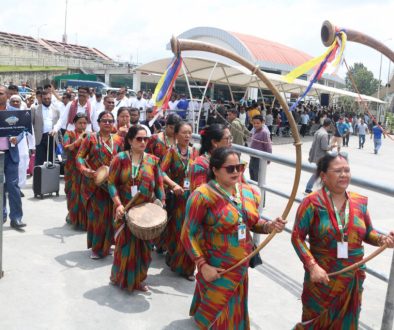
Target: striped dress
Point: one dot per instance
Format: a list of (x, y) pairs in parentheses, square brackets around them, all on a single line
[(158, 146), (72, 183), (199, 172), (336, 305), (173, 166), (97, 201), (132, 255), (211, 232)]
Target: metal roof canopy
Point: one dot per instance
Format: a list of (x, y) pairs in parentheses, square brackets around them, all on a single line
[(200, 65)]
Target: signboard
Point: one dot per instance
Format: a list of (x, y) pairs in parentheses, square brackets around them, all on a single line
[(14, 122)]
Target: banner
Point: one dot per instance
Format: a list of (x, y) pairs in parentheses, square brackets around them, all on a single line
[(14, 122)]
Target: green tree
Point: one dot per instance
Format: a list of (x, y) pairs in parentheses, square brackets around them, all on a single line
[(363, 78)]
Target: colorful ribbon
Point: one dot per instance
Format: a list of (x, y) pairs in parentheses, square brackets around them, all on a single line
[(164, 87)]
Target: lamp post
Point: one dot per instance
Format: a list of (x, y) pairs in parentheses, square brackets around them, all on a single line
[(380, 67)]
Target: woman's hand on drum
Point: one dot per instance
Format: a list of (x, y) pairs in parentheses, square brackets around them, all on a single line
[(89, 173), (318, 275), (210, 273), (119, 212), (178, 190), (278, 224), (389, 240)]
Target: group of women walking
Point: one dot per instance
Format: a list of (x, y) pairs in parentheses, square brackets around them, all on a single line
[(211, 213)]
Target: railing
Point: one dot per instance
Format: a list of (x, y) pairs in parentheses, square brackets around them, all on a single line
[(1, 216), (388, 315)]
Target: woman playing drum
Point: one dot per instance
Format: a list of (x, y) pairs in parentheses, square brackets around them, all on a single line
[(212, 137), (72, 177), (175, 166), (132, 171), (219, 217), (337, 223), (97, 150)]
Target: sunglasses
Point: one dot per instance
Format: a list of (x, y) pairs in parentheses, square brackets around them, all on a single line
[(142, 138), (342, 154), (107, 121), (232, 168)]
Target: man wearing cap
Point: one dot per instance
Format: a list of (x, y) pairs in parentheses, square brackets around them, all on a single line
[(9, 145), (319, 148)]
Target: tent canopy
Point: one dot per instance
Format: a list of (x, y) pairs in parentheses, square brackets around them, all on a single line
[(199, 66)]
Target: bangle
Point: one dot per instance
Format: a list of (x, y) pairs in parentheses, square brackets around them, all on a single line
[(380, 240), (174, 186), (311, 264)]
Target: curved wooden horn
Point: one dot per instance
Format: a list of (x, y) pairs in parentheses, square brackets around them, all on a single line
[(328, 31), (179, 45)]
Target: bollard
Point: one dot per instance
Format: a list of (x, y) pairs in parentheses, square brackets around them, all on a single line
[(261, 184), (388, 314), (1, 216)]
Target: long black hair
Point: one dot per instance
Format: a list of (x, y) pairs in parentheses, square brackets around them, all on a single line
[(214, 132), (131, 134), (218, 158)]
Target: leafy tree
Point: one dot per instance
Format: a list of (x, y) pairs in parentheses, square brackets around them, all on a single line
[(363, 78)]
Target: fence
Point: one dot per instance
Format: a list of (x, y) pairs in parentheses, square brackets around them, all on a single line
[(388, 315)]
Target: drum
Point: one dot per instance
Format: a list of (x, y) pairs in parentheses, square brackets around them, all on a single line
[(146, 221), (101, 175)]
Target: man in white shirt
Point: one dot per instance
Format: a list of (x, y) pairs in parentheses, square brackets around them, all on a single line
[(172, 104), (66, 99), (82, 104), (135, 120), (140, 104), (121, 99), (108, 105)]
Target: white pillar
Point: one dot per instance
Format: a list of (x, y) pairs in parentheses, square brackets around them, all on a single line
[(137, 81), (252, 93), (106, 78)]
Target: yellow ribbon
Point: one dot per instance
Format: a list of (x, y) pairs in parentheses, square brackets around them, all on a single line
[(291, 76)]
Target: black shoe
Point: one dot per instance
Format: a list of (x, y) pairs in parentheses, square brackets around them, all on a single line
[(17, 224), (307, 191), (22, 194)]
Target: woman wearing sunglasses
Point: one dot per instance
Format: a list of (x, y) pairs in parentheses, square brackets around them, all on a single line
[(132, 171), (159, 144), (219, 218), (176, 170), (96, 150), (212, 137), (337, 223), (72, 177)]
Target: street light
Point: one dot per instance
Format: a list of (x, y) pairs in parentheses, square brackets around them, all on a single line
[(380, 67)]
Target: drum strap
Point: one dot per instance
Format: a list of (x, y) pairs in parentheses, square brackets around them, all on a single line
[(119, 231)]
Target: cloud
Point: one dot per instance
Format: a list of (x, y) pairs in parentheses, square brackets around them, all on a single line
[(140, 30)]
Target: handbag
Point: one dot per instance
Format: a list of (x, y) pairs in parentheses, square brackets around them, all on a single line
[(255, 260)]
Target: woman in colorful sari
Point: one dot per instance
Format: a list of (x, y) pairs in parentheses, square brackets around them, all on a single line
[(219, 217), (122, 121), (96, 150), (132, 171), (212, 137), (337, 223), (159, 143), (176, 170), (72, 177)]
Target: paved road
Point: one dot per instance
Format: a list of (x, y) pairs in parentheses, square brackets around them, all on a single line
[(51, 283)]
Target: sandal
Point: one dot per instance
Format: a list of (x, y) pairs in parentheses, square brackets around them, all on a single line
[(94, 256), (190, 278), (142, 287)]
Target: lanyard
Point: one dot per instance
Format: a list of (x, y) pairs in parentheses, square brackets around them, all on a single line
[(185, 167), (136, 168), (236, 201), (101, 142), (339, 225)]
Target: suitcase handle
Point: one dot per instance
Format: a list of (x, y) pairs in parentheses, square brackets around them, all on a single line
[(48, 164)]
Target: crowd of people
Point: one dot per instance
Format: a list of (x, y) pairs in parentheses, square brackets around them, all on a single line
[(211, 210)]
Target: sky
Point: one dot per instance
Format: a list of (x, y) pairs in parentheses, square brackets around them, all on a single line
[(138, 31)]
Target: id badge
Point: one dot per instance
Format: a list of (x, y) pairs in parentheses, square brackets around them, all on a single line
[(241, 232), (134, 190), (342, 250), (186, 184)]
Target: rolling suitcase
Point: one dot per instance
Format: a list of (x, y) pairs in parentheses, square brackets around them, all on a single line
[(46, 178)]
